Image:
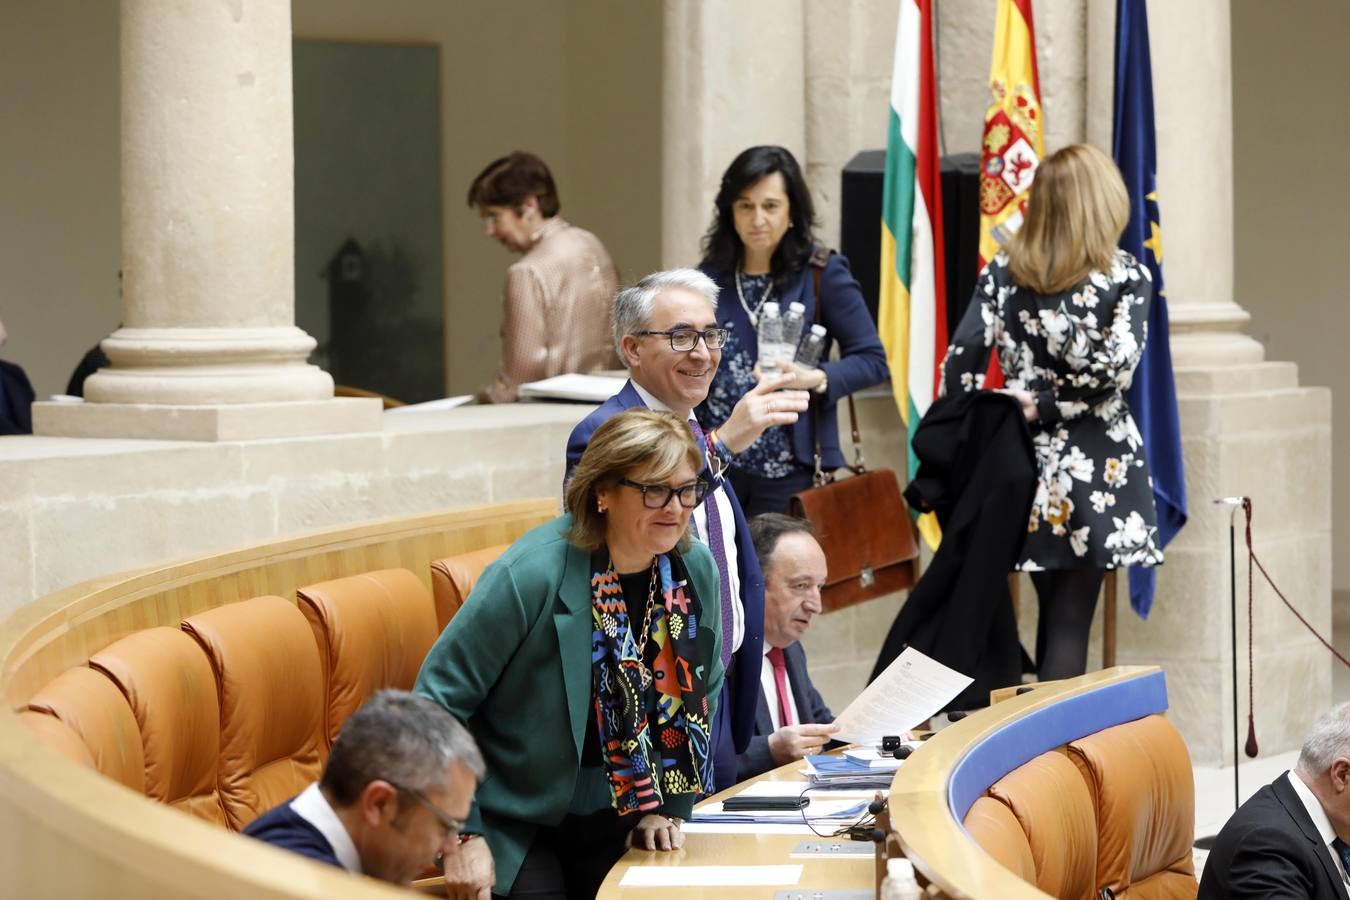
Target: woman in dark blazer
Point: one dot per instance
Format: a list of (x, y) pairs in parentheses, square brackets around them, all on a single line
[(760, 248), (593, 633)]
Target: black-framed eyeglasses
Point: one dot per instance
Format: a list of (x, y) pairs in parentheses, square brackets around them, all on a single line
[(452, 825), (686, 339), (656, 496)]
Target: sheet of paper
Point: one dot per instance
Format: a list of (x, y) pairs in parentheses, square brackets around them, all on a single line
[(827, 808), (431, 405), (793, 788), (710, 876), (909, 692), (586, 388), (871, 757)]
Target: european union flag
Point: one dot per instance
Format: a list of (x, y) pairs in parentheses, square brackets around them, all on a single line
[(1153, 396)]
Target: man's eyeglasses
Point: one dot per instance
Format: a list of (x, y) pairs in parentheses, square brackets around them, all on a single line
[(452, 825), (685, 339), (656, 496)]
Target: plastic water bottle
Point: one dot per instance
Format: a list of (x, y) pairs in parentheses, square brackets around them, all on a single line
[(809, 353), (900, 883), (770, 335), (794, 320)]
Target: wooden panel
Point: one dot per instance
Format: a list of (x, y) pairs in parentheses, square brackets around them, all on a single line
[(932, 838)]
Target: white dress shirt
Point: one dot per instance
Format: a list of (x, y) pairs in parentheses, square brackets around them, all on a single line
[(699, 520), (1319, 820), (312, 806)]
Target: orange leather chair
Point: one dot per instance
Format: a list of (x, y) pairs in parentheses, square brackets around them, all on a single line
[(92, 707), (995, 828), (270, 686), (1137, 773), (1054, 809), (59, 736), (1114, 809), (372, 630), (453, 578), (168, 682)]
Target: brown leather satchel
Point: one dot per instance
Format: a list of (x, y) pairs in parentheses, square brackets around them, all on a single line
[(861, 522), (865, 529)]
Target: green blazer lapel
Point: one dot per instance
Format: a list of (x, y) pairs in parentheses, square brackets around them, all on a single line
[(573, 620)]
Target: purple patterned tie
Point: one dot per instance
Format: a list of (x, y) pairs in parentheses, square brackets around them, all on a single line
[(719, 551)]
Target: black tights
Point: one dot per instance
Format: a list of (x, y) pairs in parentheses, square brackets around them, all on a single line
[(1068, 598)]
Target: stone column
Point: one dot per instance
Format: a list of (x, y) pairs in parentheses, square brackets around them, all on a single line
[(208, 347), (1248, 427), (733, 79)]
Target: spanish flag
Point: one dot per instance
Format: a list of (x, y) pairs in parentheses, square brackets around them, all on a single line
[(1014, 134), (912, 314)]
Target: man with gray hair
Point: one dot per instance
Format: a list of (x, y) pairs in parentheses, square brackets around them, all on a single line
[(1289, 839), (666, 333), (397, 787)]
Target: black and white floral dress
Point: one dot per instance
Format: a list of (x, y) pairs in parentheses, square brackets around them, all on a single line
[(1077, 352)]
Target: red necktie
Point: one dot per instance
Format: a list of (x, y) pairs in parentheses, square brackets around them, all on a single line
[(775, 655)]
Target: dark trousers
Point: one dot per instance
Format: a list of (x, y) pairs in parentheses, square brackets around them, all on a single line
[(761, 495), (570, 862)]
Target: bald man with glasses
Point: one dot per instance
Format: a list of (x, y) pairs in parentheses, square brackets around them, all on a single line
[(666, 333)]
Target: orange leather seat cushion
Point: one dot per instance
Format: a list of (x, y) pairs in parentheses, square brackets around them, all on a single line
[(1140, 776), (1052, 804), (271, 702), (94, 708), (453, 578), (59, 736), (996, 829), (372, 631), (168, 682)]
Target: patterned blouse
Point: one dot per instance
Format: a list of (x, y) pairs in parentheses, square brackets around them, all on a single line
[(770, 456)]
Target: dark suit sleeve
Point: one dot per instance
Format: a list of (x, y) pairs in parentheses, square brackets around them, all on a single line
[(1265, 862), (576, 444), (756, 760), (843, 312)]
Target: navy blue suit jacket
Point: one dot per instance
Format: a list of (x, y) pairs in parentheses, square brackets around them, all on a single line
[(283, 827), (810, 706), (862, 359), (735, 722)]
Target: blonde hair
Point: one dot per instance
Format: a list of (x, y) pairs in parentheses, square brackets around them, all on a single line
[(1078, 209), (648, 440)]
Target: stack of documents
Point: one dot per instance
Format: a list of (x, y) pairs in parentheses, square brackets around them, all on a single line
[(835, 772), (816, 810)]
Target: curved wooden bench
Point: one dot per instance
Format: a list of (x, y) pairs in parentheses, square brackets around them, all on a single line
[(69, 831), (1024, 740)]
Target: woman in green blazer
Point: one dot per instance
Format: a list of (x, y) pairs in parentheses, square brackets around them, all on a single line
[(587, 664)]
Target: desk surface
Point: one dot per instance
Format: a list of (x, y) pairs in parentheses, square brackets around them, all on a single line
[(743, 850)]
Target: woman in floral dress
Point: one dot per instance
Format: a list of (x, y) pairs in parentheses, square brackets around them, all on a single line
[(1067, 312)]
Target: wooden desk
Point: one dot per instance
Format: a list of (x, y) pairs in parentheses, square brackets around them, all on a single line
[(743, 850)]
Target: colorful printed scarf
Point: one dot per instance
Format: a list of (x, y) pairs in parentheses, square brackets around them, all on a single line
[(626, 736)]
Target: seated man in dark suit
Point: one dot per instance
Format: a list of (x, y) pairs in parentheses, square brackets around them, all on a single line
[(1288, 840), (793, 720), (397, 787)]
